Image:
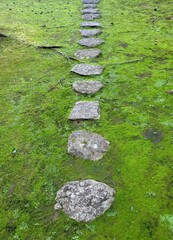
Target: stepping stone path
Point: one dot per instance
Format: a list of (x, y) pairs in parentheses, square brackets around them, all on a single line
[(85, 110), (90, 24), (87, 69), (84, 200), (90, 33), (87, 53), (87, 87), (87, 145), (90, 42)]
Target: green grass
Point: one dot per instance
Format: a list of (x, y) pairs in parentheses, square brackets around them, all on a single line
[(137, 55)]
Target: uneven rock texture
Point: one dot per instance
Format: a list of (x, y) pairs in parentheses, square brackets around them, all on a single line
[(90, 5), (84, 200), (90, 42), (85, 110), (87, 69), (90, 10), (90, 24), (90, 33), (87, 87), (90, 16), (87, 145), (87, 53), (90, 1)]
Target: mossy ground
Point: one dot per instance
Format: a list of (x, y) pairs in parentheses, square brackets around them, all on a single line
[(136, 117)]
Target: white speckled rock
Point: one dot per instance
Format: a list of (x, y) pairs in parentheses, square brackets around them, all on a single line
[(87, 69), (90, 24), (87, 87), (90, 42), (90, 16), (90, 11), (90, 1), (87, 53), (90, 33)]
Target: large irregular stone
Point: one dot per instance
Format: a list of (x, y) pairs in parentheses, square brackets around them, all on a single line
[(90, 24), (90, 33), (85, 110), (90, 10), (87, 87), (87, 145), (87, 69), (90, 1), (90, 16), (87, 53), (84, 200), (90, 42), (90, 5)]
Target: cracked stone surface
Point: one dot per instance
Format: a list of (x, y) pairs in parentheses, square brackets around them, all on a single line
[(85, 110), (90, 42), (87, 145), (87, 69), (90, 33), (90, 1), (90, 16), (90, 5), (90, 10), (87, 53), (90, 24), (84, 200), (87, 87)]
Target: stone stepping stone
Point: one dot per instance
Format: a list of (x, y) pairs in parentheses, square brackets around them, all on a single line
[(90, 33), (90, 16), (87, 87), (90, 1), (90, 24), (90, 42), (84, 200), (90, 10), (85, 111), (87, 69), (87, 53), (90, 5), (87, 145)]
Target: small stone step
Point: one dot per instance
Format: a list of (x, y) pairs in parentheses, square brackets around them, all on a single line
[(84, 200), (87, 53), (91, 11), (90, 33), (85, 111), (90, 24), (90, 1), (87, 87), (88, 17), (90, 5), (87, 145), (87, 69), (90, 42)]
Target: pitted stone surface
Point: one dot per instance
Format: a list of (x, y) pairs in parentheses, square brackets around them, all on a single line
[(90, 5), (87, 69), (90, 1), (87, 87), (84, 200), (85, 111), (90, 24), (87, 53), (90, 10), (90, 33), (90, 16), (87, 145), (90, 42)]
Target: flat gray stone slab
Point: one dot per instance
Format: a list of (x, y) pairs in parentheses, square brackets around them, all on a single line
[(87, 53), (87, 69), (90, 24), (90, 5), (85, 111), (87, 87), (90, 16), (90, 33), (87, 145), (84, 200), (90, 42), (90, 1), (90, 10)]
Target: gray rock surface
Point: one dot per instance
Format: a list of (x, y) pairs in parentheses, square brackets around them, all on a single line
[(90, 10), (90, 5), (90, 16), (90, 42), (90, 1), (90, 33), (87, 87), (85, 110), (87, 53), (87, 69), (84, 200), (90, 24), (87, 145)]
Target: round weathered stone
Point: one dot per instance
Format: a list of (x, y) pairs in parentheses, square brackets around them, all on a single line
[(87, 145), (90, 33), (90, 42), (90, 24), (85, 111), (90, 1), (87, 87), (88, 16), (90, 10), (84, 200), (87, 69), (87, 53), (90, 5)]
